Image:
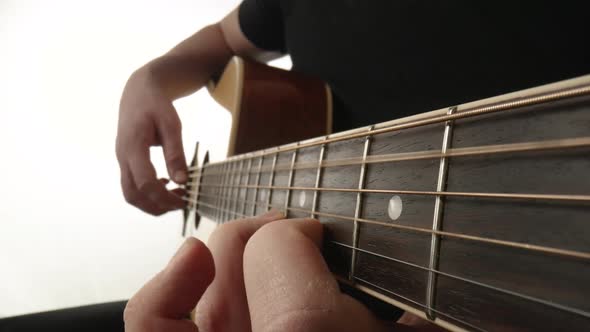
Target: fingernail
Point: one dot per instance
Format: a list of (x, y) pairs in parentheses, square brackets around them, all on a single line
[(180, 176), (273, 214)]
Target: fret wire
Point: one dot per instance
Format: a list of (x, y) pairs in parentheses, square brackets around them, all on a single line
[(216, 179), (357, 210), (195, 187), (229, 192), (436, 220), (222, 192), (225, 191), (317, 181), (208, 190), (416, 303), (188, 187), (519, 245), (484, 150), (226, 202), (532, 247), (234, 205), (198, 191), (353, 248), (219, 194), (237, 189), (218, 208), (233, 190), (498, 289), (270, 181), (247, 182), (227, 185), (257, 185), (466, 113), (194, 190), (290, 182), (549, 197)]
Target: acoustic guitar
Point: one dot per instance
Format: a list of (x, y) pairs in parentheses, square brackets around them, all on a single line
[(475, 217)]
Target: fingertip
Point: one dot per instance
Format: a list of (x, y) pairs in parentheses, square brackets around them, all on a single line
[(193, 251), (273, 214), (314, 220), (175, 291), (179, 191), (180, 176)]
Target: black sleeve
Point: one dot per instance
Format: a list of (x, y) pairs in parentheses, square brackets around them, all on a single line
[(262, 23), (92, 318)]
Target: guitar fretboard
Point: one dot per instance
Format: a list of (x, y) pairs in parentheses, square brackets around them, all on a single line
[(477, 217)]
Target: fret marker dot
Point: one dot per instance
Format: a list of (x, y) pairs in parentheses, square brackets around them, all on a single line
[(302, 199), (262, 195), (394, 209)]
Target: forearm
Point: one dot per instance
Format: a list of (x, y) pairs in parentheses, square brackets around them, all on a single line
[(188, 66)]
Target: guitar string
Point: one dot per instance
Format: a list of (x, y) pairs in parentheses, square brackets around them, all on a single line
[(491, 287), (510, 105), (481, 111), (523, 196), (513, 244), (481, 284), (559, 144), (346, 281)]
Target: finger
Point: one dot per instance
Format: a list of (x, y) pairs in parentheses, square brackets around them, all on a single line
[(169, 297), (154, 195), (161, 197), (227, 293), (141, 166), (289, 286), (180, 192), (170, 133), (133, 196)]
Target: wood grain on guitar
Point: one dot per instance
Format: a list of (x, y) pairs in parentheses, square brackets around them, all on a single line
[(270, 106), (476, 217)]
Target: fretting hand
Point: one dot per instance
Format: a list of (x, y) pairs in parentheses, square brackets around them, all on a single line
[(258, 274)]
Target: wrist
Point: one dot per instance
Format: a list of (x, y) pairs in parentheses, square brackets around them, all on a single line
[(147, 77), (174, 76)]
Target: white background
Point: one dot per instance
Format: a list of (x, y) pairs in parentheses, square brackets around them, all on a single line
[(66, 235)]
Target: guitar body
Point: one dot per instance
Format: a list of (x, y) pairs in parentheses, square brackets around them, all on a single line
[(475, 217), (271, 106)]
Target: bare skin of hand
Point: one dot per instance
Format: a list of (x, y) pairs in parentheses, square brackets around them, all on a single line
[(258, 274), (148, 118)]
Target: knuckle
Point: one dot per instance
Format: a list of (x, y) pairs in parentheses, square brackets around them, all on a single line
[(265, 235), (279, 232), (175, 157), (130, 312), (158, 213), (212, 316), (232, 231), (130, 197), (171, 121), (274, 229), (301, 319)]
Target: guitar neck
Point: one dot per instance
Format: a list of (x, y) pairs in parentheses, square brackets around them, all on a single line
[(475, 217)]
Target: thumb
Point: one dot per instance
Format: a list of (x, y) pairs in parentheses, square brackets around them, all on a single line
[(170, 132), (173, 293)]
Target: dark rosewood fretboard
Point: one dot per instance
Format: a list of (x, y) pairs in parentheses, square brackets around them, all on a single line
[(479, 218)]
